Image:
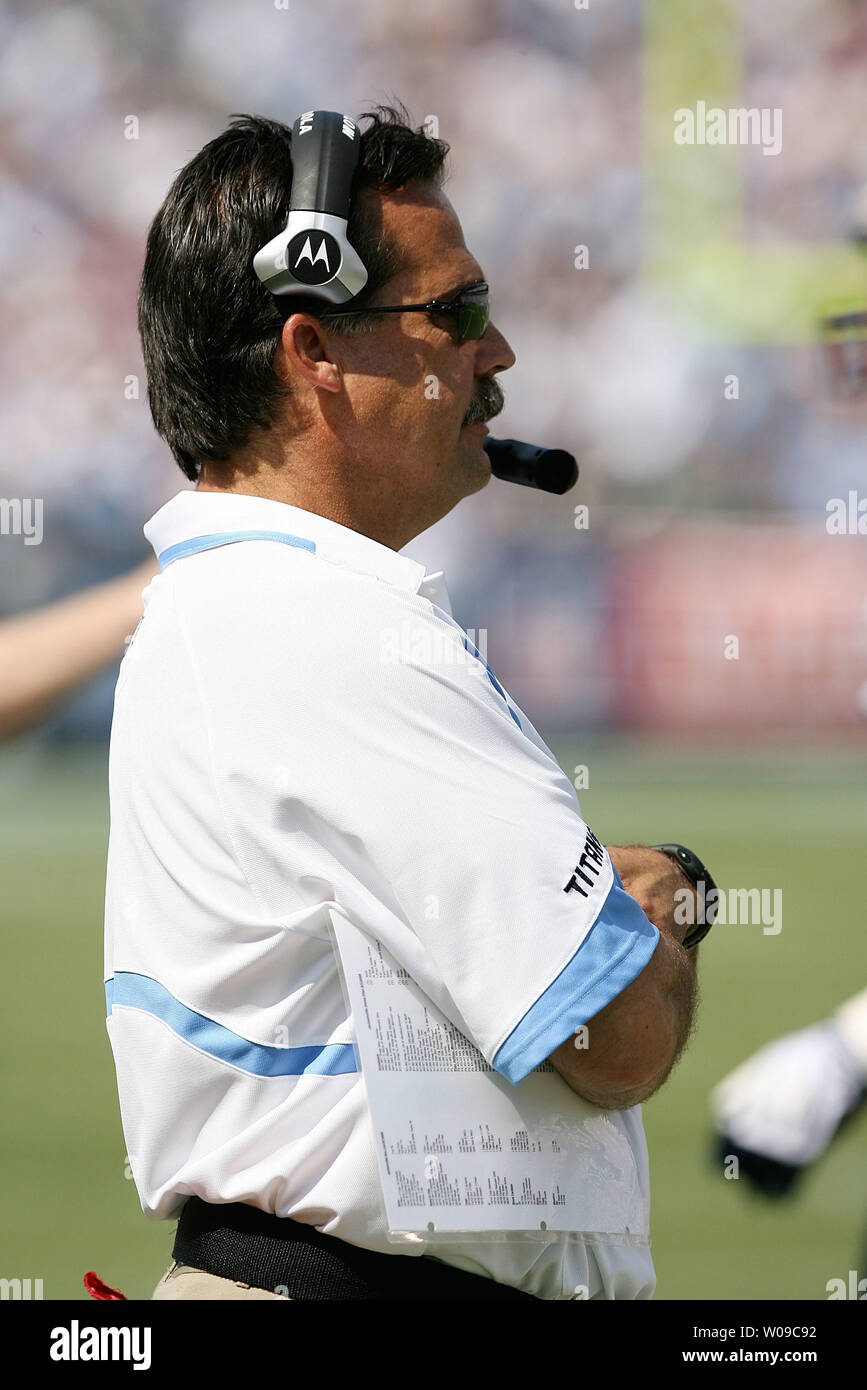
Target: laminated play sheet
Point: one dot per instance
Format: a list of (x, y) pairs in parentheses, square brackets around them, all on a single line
[(463, 1151)]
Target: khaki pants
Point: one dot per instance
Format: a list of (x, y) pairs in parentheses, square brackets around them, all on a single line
[(182, 1281)]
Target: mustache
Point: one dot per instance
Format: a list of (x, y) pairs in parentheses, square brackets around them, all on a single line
[(487, 402)]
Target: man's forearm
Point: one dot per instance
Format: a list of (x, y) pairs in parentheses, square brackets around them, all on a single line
[(48, 653), (635, 1041)]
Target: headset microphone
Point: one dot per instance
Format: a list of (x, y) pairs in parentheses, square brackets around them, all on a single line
[(551, 470)]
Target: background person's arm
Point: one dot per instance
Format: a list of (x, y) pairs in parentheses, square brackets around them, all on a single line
[(46, 654), (780, 1110), (635, 1041)]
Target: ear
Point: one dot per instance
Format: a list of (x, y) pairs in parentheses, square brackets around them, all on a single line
[(308, 354)]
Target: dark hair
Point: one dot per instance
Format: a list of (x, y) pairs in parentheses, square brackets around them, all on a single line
[(209, 328)]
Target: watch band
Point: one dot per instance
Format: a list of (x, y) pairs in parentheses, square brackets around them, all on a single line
[(704, 885)]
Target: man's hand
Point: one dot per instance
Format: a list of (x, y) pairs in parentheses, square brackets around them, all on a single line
[(652, 878), (779, 1110)]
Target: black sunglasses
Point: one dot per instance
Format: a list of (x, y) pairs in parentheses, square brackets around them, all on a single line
[(471, 307)]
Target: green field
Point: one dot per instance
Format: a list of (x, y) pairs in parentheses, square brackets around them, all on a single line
[(778, 820)]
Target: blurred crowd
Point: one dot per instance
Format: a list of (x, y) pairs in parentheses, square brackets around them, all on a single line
[(543, 106)]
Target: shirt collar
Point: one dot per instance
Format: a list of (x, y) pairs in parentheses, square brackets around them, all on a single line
[(193, 514)]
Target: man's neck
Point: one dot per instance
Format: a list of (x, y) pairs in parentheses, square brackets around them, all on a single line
[(331, 500)]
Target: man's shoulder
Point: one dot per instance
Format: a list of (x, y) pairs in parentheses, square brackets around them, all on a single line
[(270, 607)]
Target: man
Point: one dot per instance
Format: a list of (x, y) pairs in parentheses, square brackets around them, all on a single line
[(272, 764)]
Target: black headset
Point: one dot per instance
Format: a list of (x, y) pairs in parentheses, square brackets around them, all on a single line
[(314, 256)]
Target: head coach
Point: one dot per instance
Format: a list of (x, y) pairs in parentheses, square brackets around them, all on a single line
[(269, 760)]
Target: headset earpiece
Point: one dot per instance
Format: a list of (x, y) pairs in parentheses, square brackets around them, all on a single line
[(312, 255)]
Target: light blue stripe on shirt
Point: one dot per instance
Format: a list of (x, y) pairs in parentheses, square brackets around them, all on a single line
[(199, 543), (135, 991), (615, 950), (474, 651)]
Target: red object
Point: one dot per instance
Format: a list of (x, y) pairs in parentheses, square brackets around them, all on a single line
[(791, 593), (97, 1289)]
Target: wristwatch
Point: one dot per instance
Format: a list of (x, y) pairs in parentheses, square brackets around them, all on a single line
[(704, 886)]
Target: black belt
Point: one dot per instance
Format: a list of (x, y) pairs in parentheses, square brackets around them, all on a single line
[(242, 1243)]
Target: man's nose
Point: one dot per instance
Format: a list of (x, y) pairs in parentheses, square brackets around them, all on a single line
[(494, 353)]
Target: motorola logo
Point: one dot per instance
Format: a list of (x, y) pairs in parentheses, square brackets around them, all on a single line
[(313, 257)]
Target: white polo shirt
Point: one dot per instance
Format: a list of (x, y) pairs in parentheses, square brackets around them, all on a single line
[(300, 724)]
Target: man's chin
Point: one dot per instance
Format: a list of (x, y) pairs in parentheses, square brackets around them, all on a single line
[(475, 434), (477, 465)]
